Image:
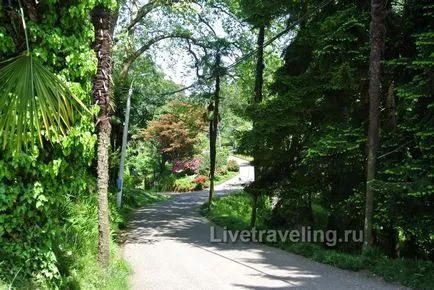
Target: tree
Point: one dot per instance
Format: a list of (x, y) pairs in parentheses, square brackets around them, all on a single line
[(43, 189), (101, 19), (213, 127), (377, 30), (32, 98), (176, 131)]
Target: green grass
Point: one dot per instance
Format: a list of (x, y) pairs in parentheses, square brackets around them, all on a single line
[(89, 275), (78, 261), (219, 179), (233, 211), (245, 157), (133, 198)]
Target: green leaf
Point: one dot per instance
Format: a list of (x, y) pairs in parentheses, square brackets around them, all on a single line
[(32, 99)]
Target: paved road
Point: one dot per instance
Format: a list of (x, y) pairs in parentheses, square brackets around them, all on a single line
[(168, 246)]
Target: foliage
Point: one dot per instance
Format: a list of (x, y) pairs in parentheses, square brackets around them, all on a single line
[(221, 160), (47, 220), (185, 184), (222, 170), (200, 179), (309, 134), (233, 166), (189, 167), (177, 130), (38, 97), (233, 211), (141, 163)]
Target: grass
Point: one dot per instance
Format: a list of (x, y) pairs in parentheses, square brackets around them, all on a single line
[(133, 198), (219, 179), (233, 211), (244, 157), (88, 274), (77, 262)]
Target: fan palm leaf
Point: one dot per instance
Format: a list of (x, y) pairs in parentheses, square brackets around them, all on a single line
[(33, 102)]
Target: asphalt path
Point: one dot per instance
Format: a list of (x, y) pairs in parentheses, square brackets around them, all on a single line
[(169, 247)]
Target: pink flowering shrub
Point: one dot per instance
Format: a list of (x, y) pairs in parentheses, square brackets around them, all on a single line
[(190, 167), (178, 166)]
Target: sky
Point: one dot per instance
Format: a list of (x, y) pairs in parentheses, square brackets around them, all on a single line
[(174, 60)]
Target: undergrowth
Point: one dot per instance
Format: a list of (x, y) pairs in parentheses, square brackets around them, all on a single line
[(233, 211), (76, 249)]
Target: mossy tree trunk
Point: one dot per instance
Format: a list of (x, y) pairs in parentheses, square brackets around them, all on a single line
[(101, 96)]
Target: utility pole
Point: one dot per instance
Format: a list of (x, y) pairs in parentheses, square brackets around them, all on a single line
[(120, 180)]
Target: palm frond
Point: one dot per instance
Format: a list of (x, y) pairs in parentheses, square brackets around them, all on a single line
[(33, 102)]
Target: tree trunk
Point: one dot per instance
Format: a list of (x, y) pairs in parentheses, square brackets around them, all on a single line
[(164, 159), (213, 131), (124, 72), (390, 104), (259, 79), (254, 210), (259, 84), (377, 31), (101, 96)]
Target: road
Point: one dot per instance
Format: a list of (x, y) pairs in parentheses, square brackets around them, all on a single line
[(168, 246)]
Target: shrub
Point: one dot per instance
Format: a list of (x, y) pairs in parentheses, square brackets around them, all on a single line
[(192, 166), (221, 160), (184, 184), (189, 167), (233, 166), (222, 170), (166, 182), (178, 166), (200, 181)]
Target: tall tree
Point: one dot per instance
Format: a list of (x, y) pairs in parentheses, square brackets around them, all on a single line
[(257, 98), (213, 127), (101, 19), (259, 76), (377, 32)]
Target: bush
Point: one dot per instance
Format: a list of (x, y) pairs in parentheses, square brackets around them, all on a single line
[(189, 167), (192, 166), (233, 166), (221, 160), (200, 181), (166, 182), (185, 184), (221, 170)]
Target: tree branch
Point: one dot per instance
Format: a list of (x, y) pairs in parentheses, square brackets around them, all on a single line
[(143, 11), (196, 59)]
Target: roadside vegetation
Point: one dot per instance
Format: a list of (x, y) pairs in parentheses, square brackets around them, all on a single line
[(234, 212), (332, 101), (171, 153)]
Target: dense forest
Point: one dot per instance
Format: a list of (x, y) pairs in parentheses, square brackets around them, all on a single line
[(332, 101)]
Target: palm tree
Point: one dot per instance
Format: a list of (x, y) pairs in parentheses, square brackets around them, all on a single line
[(101, 96), (33, 101)]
